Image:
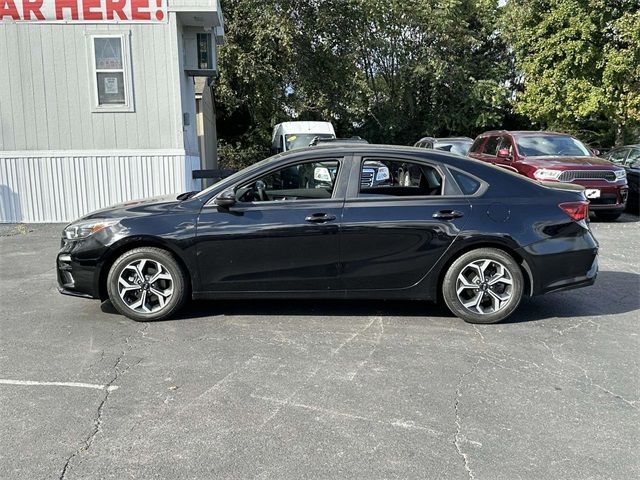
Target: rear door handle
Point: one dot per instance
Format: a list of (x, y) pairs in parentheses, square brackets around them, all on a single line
[(448, 214), (320, 218)]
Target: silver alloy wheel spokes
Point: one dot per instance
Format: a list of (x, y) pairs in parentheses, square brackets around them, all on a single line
[(484, 286), (145, 286)]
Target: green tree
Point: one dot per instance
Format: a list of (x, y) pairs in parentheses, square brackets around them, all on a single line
[(388, 70), (431, 67), (580, 64)]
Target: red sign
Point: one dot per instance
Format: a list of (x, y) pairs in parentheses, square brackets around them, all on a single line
[(83, 11)]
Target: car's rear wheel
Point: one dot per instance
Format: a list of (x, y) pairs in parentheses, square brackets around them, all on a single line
[(483, 286), (608, 216), (147, 284)]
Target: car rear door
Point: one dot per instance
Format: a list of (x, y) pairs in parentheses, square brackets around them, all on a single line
[(391, 239)]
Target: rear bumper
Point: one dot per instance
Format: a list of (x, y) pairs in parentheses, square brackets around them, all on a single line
[(562, 263), (575, 282)]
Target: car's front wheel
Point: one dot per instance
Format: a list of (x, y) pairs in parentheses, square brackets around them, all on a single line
[(483, 286), (147, 284), (607, 216)]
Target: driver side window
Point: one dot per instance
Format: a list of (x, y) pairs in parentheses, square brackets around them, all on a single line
[(505, 143), (302, 181), (491, 147)]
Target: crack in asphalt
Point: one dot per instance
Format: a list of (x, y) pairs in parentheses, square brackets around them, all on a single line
[(97, 421), (631, 403), (457, 436)]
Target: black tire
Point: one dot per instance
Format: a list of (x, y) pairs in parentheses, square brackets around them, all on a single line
[(607, 216), (178, 276), (514, 291)]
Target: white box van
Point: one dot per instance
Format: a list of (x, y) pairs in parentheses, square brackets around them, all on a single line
[(291, 135)]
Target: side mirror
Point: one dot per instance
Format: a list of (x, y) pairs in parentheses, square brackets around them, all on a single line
[(595, 152), (226, 199), (504, 153)]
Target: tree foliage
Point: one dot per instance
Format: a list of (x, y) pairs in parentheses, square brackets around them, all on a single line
[(395, 70), (580, 64)]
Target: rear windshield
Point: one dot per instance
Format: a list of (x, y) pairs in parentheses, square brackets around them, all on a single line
[(551, 145)]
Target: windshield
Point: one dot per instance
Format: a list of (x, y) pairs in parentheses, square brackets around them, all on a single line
[(301, 140), (460, 147), (551, 145)]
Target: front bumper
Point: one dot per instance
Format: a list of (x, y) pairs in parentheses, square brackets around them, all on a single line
[(613, 197), (77, 272)]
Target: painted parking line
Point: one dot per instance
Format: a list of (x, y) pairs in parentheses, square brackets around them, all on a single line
[(93, 386)]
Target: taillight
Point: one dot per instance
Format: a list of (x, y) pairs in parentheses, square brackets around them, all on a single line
[(576, 210)]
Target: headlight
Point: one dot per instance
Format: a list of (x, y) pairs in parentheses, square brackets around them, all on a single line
[(86, 228), (383, 174), (621, 174), (547, 174)]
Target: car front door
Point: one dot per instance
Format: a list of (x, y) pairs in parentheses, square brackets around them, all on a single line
[(282, 234), (392, 235)]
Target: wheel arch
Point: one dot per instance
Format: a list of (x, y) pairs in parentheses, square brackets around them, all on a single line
[(505, 246), (127, 244)]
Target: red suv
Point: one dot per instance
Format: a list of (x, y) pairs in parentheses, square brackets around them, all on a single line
[(557, 157)]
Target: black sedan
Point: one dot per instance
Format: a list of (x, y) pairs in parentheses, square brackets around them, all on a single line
[(471, 234)]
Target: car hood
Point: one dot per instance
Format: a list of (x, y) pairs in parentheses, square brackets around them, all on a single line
[(136, 208), (566, 163)]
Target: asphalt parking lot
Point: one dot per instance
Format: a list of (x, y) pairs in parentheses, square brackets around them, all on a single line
[(268, 389)]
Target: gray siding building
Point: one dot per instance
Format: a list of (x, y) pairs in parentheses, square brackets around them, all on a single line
[(99, 107)]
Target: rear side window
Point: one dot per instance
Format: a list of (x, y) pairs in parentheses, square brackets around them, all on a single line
[(398, 178), (467, 184)]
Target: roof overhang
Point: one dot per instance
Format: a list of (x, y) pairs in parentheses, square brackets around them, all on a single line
[(204, 14)]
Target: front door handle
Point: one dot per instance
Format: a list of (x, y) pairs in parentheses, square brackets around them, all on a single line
[(320, 218), (448, 214)]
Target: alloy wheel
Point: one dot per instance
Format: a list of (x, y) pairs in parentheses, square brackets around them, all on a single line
[(145, 286), (484, 286)]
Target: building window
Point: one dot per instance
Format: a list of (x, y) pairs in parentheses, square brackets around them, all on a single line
[(111, 73)]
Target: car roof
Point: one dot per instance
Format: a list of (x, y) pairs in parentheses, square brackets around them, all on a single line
[(381, 149)]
